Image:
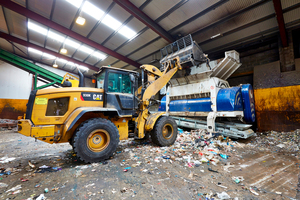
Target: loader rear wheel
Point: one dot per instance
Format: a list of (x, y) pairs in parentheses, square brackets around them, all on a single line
[(164, 132), (95, 140)]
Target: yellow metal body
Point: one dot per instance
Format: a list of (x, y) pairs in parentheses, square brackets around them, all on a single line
[(71, 78), (169, 70), (56, 129), (59, 124)]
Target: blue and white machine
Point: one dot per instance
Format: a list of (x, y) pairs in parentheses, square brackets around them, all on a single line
[(206, 93)]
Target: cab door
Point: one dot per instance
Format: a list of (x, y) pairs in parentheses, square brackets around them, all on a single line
[(119, 92)]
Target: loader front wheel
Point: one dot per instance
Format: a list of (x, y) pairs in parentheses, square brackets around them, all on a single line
[(164, 132), (95, 140)]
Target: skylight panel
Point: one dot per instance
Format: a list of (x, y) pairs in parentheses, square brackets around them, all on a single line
[(92, 10), (35, 51), (46, 55), (99, 55), (127, 32), (86, 49), (72, 43), (82, 67), (111, 22), (75, 3), (61, 60), (56, 36), (37, 28)]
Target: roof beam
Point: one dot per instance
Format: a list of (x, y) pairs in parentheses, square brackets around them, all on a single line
[(280, 21), (32, 15), (28, 44), (140, 15)]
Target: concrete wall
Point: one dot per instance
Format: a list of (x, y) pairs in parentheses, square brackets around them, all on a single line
[(277, 97), (15, 87)]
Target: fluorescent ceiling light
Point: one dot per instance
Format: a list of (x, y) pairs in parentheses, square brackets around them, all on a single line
[(62, 60), (76, 3), (86, 49), (37, 28), (35, 51), (99, 55), (71, 63), (111, 22), (127, 32), (46, 55), (56, 36), (80, 20), (92, 10), (82, 67), (72, 43)]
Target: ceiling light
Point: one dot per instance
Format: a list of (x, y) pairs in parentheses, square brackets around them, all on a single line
[(82, 67), (55, 65), (37, 28), (63, 51), (80, 20), (76, 3), (99, 55), (72, 43), (56, 36), (219, 34), (35, 51), (127, 32), (46, 55), (62, 60), (92, 10), (111, 22), (86, 49)]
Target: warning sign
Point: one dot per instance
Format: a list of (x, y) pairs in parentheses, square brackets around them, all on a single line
[(41, 101)]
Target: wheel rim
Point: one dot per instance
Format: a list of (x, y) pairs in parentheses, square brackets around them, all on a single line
[(167, 131), (98, 140)]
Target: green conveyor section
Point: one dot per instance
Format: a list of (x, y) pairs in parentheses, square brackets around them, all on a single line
[(31, 68)]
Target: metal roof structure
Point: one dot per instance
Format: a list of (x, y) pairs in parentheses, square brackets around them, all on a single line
[(126, 34)]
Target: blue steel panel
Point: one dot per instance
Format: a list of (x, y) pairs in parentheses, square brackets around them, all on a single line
[(248, 103), (162, 106), (191, 105), (229, 99)]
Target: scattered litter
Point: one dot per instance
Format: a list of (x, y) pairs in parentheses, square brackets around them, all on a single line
[(223, 195), (253, 191), (46, 190), (14, 188), (2, 185), (237, 179), (209, 169), (41, 197), (280, 145), (31, 165), (6, 159)]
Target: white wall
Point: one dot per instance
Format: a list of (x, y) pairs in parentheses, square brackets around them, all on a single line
[(16, 83)]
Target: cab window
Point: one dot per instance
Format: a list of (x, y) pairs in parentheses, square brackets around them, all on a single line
[(119, 83), (100, 80)]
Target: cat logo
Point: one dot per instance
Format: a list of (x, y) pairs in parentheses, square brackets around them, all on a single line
[(91, 96), (97, 97)]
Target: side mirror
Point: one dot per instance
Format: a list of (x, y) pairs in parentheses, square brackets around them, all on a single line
[(132, 78)]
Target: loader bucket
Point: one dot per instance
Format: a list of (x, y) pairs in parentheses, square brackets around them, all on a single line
[(188, 51)]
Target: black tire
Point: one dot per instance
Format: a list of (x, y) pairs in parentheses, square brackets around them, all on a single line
[(164, 132), (95, 140)]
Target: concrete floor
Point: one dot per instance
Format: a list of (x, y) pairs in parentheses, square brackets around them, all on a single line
[(272, 175)]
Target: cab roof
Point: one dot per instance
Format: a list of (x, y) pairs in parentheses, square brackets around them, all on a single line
[(114, 68)]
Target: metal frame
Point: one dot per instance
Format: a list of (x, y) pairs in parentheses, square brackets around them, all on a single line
[(30, 14), (280, 21), (28, 44), (140, 15)]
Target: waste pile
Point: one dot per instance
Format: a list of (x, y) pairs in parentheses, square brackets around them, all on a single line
[(7, 124), (279, 141)]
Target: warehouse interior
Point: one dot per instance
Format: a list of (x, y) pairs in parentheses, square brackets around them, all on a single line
[(42, 41)]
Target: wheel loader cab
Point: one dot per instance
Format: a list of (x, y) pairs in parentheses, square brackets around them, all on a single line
[(119, 88)]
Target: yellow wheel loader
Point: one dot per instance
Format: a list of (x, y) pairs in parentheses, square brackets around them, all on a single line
[(93, 120)]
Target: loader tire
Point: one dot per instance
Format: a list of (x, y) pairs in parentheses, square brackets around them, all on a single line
[(95, 140), (164, 132)]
